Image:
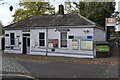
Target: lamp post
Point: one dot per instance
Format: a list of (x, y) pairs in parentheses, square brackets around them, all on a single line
[(10, 8)]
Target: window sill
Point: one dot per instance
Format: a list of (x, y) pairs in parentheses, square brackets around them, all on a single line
[(64, 48), (42, 47)]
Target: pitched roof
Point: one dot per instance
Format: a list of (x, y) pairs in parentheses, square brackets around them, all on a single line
[(52, 21)]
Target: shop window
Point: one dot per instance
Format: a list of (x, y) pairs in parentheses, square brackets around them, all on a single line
[(41, 39), (12, 38), (63, 39)]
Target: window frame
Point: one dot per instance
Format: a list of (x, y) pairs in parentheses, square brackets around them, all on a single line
[(61, 39), (12, 39), (42, 39)]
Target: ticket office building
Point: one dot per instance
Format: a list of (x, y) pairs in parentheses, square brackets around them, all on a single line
[(68, 35)]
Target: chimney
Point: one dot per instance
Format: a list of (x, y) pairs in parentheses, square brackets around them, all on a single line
[(61, 10)]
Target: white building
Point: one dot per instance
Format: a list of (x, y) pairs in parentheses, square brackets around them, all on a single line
[(118, 9), (70, 35)]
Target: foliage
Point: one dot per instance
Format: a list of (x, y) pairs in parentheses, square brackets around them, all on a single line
[(29, 9), (95, 11), (1, 28)]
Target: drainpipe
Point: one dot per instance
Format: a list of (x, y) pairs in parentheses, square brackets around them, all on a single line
[(46, 41)]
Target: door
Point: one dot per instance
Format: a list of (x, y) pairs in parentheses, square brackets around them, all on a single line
[(24, 45)]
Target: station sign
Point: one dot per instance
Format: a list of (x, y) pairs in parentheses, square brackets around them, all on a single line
[(110, 21)]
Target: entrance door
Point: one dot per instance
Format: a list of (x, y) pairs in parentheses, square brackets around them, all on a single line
[(26, 43)]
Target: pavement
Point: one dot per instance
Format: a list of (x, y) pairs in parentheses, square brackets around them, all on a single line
[(11, 66), (12, 69)]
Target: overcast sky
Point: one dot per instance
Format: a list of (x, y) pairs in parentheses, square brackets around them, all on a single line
[(6, 15)]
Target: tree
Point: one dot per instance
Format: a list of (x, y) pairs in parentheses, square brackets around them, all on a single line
[(33, 9), (95, 11), (1, 28)]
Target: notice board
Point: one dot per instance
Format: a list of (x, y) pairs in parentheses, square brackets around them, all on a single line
[(74, 44), (86, 45)]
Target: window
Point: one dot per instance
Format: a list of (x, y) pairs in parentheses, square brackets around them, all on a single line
[(63, 39), (12, 38), (41, 39), (28, 42)]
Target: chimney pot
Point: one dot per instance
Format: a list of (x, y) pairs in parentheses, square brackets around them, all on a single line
[(61, 9)]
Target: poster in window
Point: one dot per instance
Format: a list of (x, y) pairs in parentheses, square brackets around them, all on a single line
[(86, 45), (53, 43), (74, 44), (7, 42), (16, 42)]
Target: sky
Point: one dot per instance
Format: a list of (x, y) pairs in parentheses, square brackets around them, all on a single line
[(6, 14)]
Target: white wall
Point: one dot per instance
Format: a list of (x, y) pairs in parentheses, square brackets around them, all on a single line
[(53, 34), (34, 39), (69, 52), (80, 33), (17, 49), (99, 35)]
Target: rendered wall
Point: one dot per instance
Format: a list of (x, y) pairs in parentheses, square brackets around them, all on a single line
[(99, 35), (34, 42), (55, 34), (16, 48)]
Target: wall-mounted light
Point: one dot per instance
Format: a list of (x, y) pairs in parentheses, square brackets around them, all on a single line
[(86, 31), (55, 30)]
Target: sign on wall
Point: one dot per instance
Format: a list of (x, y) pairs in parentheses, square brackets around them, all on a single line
[(74, 44), (110, 21)]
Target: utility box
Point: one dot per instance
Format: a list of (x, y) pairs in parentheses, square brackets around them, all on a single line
[(102, 49)]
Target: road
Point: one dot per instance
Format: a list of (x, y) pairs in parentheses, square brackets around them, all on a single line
[(84, 68)]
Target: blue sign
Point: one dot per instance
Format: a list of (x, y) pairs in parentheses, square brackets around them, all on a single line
[(89, 37)]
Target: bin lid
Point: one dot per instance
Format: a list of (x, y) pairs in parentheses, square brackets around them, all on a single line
[(101, 43)]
